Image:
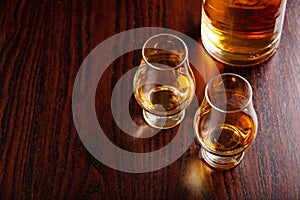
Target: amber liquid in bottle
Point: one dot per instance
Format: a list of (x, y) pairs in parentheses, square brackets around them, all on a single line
[(242, 32)]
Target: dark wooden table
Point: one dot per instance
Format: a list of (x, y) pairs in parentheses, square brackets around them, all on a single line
[(42, 46)]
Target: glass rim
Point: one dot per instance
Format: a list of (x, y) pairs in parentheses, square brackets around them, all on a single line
[(229, 111), (170, 35)]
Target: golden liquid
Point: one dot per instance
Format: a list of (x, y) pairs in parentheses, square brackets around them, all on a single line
[(235, 134), (242, 32), (160, 99), (164, 99), (173, 90)]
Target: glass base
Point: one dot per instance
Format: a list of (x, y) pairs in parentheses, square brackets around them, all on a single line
[(236, 58), (221, 162), (162, 122), (239, 60)]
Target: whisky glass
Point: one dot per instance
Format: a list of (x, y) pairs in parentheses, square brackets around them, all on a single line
[(226, 123), (164, 83)]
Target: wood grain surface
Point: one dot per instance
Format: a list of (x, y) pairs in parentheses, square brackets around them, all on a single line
[(42, 46)]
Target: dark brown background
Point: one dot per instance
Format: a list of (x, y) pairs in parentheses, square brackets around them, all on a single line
[(42, 45)]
